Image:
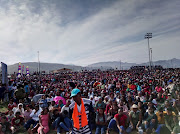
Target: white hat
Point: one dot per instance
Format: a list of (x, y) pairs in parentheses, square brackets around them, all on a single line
[(134, 106), (20, 104), (154, 101)]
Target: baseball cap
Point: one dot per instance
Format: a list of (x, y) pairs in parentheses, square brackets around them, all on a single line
[(74, 92)]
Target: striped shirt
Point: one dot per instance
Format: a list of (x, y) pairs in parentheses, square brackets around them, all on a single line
[(88, 108)]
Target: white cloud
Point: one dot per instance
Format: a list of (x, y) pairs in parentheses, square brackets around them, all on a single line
[(111, 33)]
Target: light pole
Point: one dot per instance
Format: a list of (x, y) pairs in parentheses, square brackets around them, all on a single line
[(151, 57), (148, 36), (120, 65), (38, 63)]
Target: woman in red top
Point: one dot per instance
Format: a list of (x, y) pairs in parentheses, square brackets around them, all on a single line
[(11, 104), (108, 106), (159, 89)]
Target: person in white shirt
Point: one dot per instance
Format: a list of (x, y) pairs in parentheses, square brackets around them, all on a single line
[(93, 101), (170, 87), (14, 87), (170, 99), (50, 98), (34, 117), (106, 100), (66, 107), (90, 94), (140, 96), (19, 108)]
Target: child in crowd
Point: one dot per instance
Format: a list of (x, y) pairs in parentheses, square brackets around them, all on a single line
[(11, 104), (16, 122), (10, 115)]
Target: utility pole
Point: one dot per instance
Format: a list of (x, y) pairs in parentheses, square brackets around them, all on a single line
[(39, 70), (38, 63)]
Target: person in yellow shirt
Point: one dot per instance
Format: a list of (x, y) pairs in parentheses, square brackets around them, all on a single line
[(160, 116), (161, 121)]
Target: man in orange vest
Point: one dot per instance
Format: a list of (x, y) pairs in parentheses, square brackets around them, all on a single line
[(80, 110)]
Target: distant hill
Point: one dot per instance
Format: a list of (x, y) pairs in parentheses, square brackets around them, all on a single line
[(173, 63), (47, 67), (112, 65)]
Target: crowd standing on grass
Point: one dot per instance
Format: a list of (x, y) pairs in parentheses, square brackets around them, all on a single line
[(113, 101)]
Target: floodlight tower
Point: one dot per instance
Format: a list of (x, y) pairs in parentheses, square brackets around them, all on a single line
[(148, 36)]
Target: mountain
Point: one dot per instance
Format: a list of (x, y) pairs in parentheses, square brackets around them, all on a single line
[(112, 65), (172, 63), (47, 67)]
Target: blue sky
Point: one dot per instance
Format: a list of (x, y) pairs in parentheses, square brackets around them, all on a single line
[(83, 32)]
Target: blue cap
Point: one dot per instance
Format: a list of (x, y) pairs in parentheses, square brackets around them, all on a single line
[(170, 81), (74, 92)]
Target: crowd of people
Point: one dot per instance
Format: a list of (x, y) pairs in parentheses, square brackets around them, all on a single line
[(121, 102)]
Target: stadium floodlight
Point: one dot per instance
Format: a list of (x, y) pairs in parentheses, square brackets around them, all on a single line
[(148, 36)]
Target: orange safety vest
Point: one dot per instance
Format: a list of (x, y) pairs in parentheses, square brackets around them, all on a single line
[(75, 116)]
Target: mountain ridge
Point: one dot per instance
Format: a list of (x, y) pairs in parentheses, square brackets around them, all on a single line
[(47, 67), (125, 65)]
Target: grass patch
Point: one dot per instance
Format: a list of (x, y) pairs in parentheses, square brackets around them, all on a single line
[(3, 107)]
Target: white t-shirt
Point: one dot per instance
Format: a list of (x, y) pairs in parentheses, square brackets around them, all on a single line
[(90, 95), (141, 98), (154, 101), (171, 87), (14, 88), (50, 99), (35, 116), (79, 108), (65, 108)]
